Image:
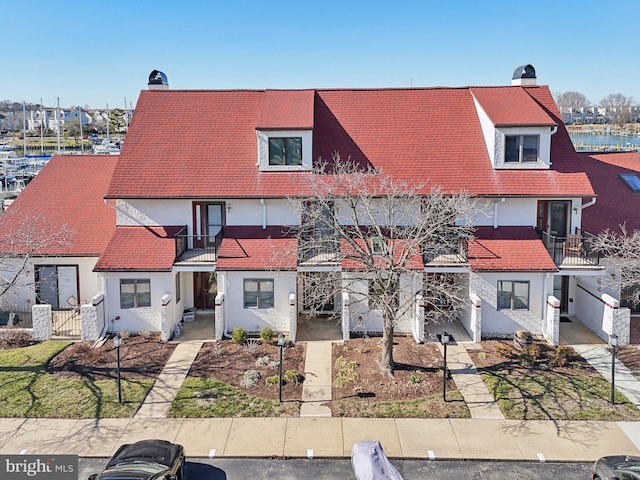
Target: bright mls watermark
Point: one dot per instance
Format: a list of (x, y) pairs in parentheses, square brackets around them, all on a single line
[(39, 467)]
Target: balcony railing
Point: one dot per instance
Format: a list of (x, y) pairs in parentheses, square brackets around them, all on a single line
[(197, 248), (446, 254), (573, 250)]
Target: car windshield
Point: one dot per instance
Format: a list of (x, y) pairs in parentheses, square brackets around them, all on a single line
[(628, 466), (145, 468)]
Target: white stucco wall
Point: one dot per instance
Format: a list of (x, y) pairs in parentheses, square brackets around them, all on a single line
[(544, 148), (143, 318), (504, 322), (231, 283), (179, 212), (364, 319), (23, 293)]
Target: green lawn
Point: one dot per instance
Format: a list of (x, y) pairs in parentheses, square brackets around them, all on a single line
[(27, 390), (206, 397), (431, 406), (544, 396)]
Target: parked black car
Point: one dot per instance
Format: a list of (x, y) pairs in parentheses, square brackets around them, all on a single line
[(616, 467), (145, 460)]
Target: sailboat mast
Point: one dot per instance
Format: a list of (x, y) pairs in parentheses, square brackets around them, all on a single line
[(24, 128), (58, 121)]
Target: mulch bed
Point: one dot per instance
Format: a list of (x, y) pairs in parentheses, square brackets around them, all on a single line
[(140, 357), (227, 362)]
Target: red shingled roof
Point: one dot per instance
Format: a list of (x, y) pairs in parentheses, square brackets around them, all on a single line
[(140, 249), (510, 106), (287, 109), (509, 249), (616, 203), (69, 191), (255, 248), (195, 144)]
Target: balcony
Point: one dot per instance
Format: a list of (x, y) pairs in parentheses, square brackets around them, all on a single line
[(197, 248), (574, 250), (446, 254)]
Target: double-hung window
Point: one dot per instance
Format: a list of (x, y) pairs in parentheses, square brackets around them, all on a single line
[(522, 148), (285, 151), (513, 295), (135, 293), (258, 293)]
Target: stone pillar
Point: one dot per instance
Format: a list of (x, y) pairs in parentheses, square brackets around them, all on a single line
[(219, 315), (89, 328), (41, 316), (346, 317), (475, 324), (418, 321), (293, 317), (551, 330), (611, 306), (166, 324), (622, 326)]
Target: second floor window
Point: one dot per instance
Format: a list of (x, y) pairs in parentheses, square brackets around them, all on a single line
[(285, 151), (521, 148)]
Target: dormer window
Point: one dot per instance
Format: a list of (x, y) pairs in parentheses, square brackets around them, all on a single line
[(285, 151), (521, 148)]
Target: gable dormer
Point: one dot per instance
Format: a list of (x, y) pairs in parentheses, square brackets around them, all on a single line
[(285, 131), (516, 129)]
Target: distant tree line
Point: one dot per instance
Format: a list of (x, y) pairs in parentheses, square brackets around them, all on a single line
[(619, 106)]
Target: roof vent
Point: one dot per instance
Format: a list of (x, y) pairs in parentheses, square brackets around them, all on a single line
[(524, 75), (158, 81)]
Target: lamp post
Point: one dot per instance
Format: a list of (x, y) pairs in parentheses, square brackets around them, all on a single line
[(613, 341), (117, 342), (444, 339), (281, 345)]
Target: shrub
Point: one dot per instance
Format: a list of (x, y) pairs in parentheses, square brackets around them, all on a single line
[(251, 345), (562, 355), (124, 334), (346, 372), (216, 349), (272, 380), (239, 335), (293, 376), (146, 334), (266, 334), (530, 353), (262, 361), (250, 379), (504, 351), (415, 377)]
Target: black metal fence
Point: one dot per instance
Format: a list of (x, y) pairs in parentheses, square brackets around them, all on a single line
[(16, 317)]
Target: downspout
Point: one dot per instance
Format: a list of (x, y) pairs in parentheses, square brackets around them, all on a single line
[(588, 204), (495, 212), (264, 213)]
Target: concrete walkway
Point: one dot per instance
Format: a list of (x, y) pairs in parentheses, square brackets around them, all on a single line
[(427, 439), (316, 388), (476, 395), (599, 357), (158, 401)]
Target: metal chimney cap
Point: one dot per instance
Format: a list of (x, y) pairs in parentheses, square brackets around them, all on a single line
[(157, 78), (524, 71)]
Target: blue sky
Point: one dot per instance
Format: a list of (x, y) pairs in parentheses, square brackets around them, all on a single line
[(98, 53)]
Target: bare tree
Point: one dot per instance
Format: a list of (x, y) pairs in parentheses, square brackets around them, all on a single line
[(619, 106), (566, 100), (622, 251), (369, 232), (24, 237)]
